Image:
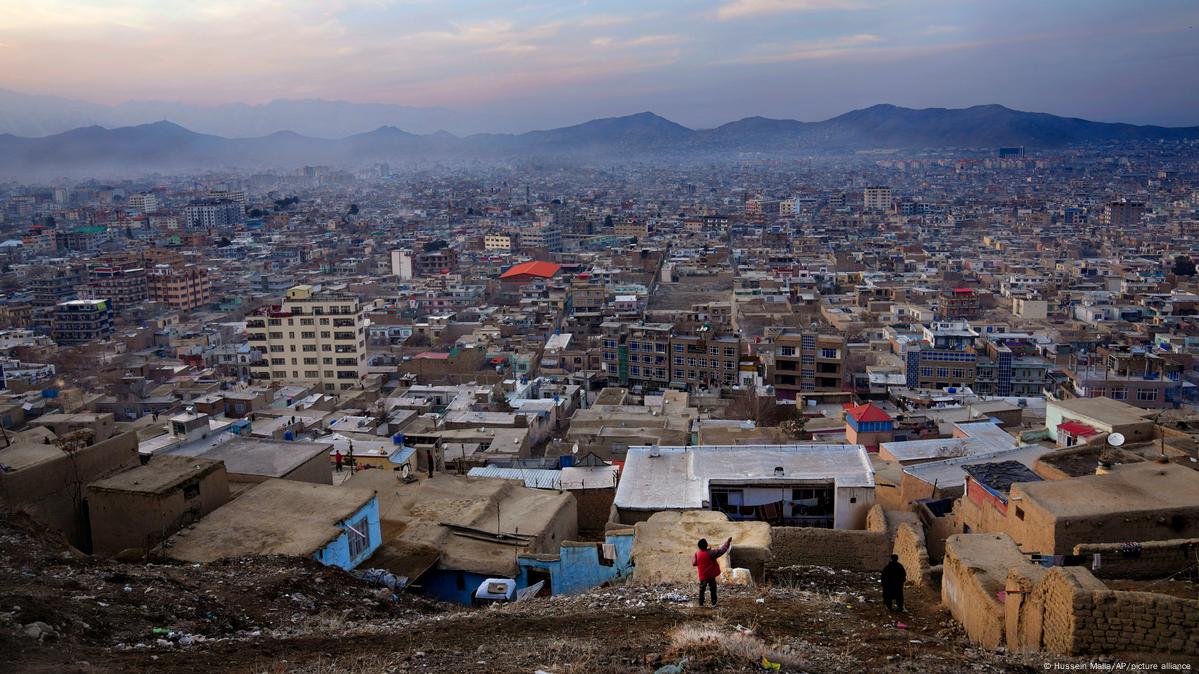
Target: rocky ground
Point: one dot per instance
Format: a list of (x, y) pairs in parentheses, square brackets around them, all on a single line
[(64, 612)]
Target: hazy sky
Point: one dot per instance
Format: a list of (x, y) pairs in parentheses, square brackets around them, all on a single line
[(539, 63)]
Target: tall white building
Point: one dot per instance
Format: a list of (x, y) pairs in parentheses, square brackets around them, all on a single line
[(312, 338), (401, 264)]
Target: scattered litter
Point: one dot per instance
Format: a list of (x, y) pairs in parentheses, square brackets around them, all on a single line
[(767, 664), (902, 626), (760, 600)]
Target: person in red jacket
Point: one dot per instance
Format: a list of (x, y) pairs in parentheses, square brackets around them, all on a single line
[(707, 567)]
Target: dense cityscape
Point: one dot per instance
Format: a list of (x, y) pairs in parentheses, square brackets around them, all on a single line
[(904, 389)]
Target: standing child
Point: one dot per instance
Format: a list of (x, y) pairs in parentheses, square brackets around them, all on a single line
[(708, 568)]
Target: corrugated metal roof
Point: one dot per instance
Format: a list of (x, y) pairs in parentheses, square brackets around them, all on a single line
[(534, 478)]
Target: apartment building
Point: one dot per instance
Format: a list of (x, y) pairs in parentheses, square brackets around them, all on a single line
[(960, 304), (500, 242), (81, 322), (807, 362), (876, 198), (652, 356), (213, 214), (143, 203), (942, 357), (124, 285), (182, 287), (312, 338)]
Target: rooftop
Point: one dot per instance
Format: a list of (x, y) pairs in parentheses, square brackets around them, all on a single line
[(249, 456), (275, 517), (159, 476), (659, 478), (1138, 487)]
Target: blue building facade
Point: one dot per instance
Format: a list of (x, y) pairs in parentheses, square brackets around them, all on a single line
[(579, 566), (360, 536)]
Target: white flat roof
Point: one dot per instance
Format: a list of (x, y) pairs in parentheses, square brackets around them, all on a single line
[(678, 478), (984, 438)]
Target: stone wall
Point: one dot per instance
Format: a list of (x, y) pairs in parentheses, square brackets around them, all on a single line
[(837, 548), (909, 545), (1156, 559), (1069, 612)]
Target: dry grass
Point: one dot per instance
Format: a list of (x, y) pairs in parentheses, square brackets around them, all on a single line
[(714, 644)]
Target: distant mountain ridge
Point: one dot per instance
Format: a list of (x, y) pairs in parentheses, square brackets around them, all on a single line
[(167, 147)]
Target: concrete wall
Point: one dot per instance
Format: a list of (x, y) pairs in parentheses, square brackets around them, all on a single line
[(578, 566), (139, 520), (1067, 611), (337, 551), (840, 549), (46, 491), (1156, 559)]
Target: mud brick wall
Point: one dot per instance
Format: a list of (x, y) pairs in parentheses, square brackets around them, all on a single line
[(971, 604), (1157, 559), (595, 506), (1070, 612), (837, 548), (876, 519), (909, 545), (1114, 621)]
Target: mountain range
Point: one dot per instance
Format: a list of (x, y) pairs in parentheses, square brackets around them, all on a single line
[(169, 147)]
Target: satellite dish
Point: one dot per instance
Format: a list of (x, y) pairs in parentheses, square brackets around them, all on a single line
[(1115, 439)]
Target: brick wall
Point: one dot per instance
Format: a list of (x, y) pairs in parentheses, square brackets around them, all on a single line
[(1157, 559), (1069, 612), (836, 548), (909, 545)]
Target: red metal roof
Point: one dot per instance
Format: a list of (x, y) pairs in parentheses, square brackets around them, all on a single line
[(1077, 429), (533, 268), (964, 291), (868, 412)]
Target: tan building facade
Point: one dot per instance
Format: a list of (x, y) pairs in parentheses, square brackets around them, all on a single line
[(311, 338)]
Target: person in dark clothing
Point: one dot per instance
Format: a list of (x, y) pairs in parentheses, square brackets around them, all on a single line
[(893, 578), (708, 568)]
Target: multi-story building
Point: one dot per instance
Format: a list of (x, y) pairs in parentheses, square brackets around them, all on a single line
[(631, 227), (182, 287), (651, 356), (544, 237), (125, 285), (501, 242), (944, 357), (808, 362), (54, 283), (959, 304), (876, 198), (81, 321), (213, 214), (311, 338), (1122, 213), (144, 202), (704, 360)]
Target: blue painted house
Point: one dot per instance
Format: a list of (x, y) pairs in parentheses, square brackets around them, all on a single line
[(579, 566), (337, 526)]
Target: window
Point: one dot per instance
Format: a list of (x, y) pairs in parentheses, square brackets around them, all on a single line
[(1019, 513), (942, 372), (787, 351), (307, 335), (359, 534), (1119, 394), (1147, 394), (828, 353), (635, 370), (678, 348), (308, 347)]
